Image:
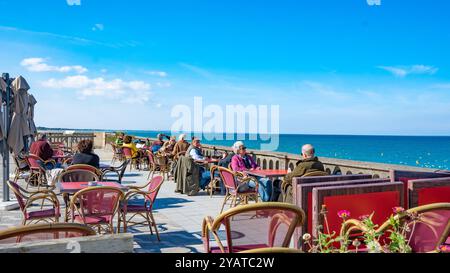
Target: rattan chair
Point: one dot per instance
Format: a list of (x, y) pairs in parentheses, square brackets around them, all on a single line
[(143, 209), (214, 185), (428, 230), (232, 181), (38, 175), (27, 199), (44, 232), (252, 227), (22, 168), (120, 171), (96, 207)]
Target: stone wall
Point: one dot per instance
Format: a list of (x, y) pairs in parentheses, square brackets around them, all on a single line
[(276, 160)]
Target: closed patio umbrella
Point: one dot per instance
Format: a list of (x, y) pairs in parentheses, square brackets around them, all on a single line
[(19, 124), (2, 92), (32, 102)]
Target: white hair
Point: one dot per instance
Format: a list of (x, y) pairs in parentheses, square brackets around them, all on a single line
[(308, 150), (237, 145), (181, 137)]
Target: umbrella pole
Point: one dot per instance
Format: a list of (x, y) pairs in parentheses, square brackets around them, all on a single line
[(5, 155)]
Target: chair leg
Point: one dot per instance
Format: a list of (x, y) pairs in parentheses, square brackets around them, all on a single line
[(154, 225), (227, 196), (149, 221)]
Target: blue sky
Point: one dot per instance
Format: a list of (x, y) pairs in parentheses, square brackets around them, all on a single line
[(333, 67)]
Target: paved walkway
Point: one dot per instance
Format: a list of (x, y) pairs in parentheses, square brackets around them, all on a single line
[(179, 217)]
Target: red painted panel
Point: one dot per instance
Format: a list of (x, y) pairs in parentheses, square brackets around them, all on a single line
[(361, 204), (434, 195)]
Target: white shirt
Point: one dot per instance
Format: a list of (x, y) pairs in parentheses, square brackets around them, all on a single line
[(195, 155)]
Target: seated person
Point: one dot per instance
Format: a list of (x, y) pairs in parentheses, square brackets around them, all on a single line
[(168, 147), (227, 157), (119, 139), (181, 146), (85, 154), (42, 149), (196, 153), (242, 161), (309, 163), (157, 144), (128, 143)]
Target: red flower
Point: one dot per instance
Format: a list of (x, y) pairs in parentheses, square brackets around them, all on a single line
[(444, 248), (364, 217), (344, 214), (398, 210)]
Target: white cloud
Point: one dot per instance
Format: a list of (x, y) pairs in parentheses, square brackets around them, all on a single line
[(40, 65), (161, 74), (99, 27), (127, 92), (403, 71), (163, 84)]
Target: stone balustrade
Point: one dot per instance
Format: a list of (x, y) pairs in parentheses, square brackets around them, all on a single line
[(278, 160)]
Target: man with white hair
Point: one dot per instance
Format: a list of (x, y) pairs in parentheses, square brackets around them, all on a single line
[(181, 146), (308, 163)]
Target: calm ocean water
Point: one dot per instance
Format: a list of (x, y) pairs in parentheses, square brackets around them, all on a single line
[(419, 151)]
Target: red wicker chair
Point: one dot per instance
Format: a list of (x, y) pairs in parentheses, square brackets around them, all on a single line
[(26, 199), (254, 226)]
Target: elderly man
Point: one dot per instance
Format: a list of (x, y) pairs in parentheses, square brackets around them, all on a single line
[(309, 163), (196, 153)]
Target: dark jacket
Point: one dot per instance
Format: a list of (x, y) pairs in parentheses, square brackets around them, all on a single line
[(304, 166), (42, 149), (88, 159), (187, 176), (226, 161)]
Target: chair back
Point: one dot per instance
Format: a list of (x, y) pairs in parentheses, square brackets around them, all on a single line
[(151, 158), (431, 230), (44, 232), (18, 192), (260, 225), (33, 162), (315, 173), (96, 202), (228, 178), (84, 167), (153, 189), (123, 168), (78, 175), (18, 162), (127, 152)]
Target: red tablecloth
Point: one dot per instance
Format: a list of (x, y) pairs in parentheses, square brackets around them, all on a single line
[(73, 187), (267, 173)]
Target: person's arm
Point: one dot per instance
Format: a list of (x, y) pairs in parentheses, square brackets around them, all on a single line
[(96, 161), (235, 164), (48, 152), (297, 172), (253, 163)]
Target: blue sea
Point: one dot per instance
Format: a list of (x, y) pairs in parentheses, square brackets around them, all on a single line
[(419, 151)]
